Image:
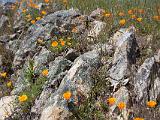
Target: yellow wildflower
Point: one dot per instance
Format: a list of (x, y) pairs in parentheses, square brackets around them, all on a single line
[(3, 74), (67, 95), (121, 105), (22, 98), (122, 21), (151, 103), (111, 100), (38, 18), (54, 44), (45, 72), (107, 15), (43, 12), (138, 118), (9, 84), (33, 21), (139, 19)]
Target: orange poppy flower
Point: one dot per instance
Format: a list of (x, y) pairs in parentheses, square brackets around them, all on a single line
[(45, 72), (22, 98), (138, 118), (130, 12), (67, 95), (63, 43), (46, 1), (107, 14), (54, 44), (111, 100), (43, 12), (33, 21), (122, 22), (133, 16), (151, 103), (139, 19), (156, 17), (121, 105)]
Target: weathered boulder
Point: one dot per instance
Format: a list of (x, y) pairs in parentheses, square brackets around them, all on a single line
[(146, 79), (78, 77), (57, 70), (125, 55), (7, 105)]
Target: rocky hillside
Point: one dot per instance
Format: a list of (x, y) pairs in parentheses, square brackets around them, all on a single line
[(60, 63)]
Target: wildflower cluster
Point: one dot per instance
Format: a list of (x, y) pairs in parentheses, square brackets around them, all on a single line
[(121, 105), (32, 11), (5, 81)]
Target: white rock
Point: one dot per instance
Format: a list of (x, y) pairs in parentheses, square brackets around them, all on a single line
[(6, 106), (96, 29)]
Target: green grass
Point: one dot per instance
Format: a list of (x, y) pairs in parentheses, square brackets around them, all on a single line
[(35, 88), (151, 8)]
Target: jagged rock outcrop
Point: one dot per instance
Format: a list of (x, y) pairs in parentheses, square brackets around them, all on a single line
[(126, 52), (78, 77), (147, 80), (57, 70), (41, 29), (28, 50)]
